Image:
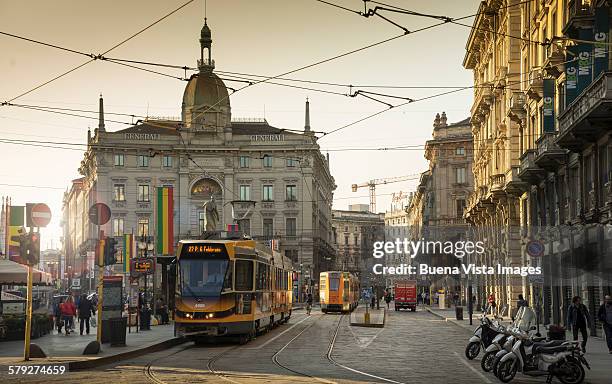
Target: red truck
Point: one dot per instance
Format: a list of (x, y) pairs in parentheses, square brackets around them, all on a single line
[(406, 295)]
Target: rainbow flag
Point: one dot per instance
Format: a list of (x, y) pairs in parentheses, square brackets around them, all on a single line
[(165, 221), (129, 250)]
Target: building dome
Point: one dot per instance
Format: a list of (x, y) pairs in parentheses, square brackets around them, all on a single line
[(205, 90)]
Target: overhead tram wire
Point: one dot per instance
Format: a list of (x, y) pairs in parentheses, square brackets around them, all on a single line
[(58, 111), (102, 54)]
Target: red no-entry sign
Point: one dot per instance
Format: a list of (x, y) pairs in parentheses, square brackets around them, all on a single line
[(41, 215)]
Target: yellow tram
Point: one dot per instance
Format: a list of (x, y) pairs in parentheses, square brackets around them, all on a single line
[(338, 291), (230, 287)]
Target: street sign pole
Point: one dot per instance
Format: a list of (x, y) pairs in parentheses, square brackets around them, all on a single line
[(28, 324), (100, 286)]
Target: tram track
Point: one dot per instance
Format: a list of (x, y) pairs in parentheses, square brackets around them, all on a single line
[(244, 378), (277, 354), (150, 373), (330, 358)]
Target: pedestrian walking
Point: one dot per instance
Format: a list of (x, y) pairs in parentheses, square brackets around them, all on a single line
[(162, 309), (59, 322), (86, 309), (388, 298), (68, 310), (309, 303), (605, 316), (492, 305), (578, 319)]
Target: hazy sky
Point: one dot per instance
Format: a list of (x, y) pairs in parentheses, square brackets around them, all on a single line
[(265, 37)]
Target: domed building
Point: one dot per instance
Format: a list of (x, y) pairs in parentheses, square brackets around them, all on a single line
[(203, 156)]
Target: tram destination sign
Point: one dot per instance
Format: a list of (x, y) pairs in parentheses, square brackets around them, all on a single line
[(197, 250)]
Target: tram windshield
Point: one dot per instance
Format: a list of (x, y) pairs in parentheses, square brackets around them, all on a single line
[(202, 278)]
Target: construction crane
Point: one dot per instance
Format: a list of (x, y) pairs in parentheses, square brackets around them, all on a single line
[(388, 180)]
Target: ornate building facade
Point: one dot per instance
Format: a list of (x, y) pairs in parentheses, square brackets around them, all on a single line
[(435, 211), (355, 231), (543, 149), (273, 182)]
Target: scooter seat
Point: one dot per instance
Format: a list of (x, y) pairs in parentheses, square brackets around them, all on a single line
[(550, 349), (551, 343)]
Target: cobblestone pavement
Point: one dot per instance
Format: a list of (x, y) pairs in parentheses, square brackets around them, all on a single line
[(413, 347)]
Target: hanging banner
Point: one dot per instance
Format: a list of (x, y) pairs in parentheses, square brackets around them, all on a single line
[(600, 36), (585, 62), (548, 107), (571, 74)]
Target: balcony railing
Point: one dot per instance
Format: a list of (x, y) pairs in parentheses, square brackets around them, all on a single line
[(516, 106), (549, 155), (529, 171), (555, 57), (592, 102), (497, 181), (536, 83)]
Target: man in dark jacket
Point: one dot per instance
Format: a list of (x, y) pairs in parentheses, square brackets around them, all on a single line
[(85, 310), (605, 316), (578, 319)]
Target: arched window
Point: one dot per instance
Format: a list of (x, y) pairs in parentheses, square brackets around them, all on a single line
[(205, 188)]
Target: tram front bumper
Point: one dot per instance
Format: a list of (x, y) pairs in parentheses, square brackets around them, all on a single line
[(213, 329)]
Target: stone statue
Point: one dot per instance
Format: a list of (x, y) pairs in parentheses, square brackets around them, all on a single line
[(211, 215)]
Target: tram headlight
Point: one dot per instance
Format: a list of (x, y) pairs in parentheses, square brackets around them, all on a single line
[(189, 315)]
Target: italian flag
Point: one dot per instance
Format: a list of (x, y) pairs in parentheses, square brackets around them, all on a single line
[(165, 221)]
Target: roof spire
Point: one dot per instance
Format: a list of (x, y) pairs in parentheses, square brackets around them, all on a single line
[(307, 117), (206, 63), (101, 115)]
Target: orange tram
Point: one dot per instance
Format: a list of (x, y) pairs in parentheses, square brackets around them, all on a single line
[(338, 291), (230, 288)]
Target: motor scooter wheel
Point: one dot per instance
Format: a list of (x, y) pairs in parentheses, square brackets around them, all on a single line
[(506, 370), (487, 361), (472, 350), (575, 372)]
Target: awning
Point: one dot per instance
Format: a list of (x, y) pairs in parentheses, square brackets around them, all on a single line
[(12, 273)]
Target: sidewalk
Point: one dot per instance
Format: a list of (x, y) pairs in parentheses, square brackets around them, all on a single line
[(62, 348), (597, 353)]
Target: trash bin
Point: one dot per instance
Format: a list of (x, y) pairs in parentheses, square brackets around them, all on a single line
[(145, 319), (459, 313), (118, 326)]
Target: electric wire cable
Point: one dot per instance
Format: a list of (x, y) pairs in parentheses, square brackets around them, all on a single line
[(103, 53)]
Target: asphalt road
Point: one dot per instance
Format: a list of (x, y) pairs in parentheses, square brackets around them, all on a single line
[(413, 347)]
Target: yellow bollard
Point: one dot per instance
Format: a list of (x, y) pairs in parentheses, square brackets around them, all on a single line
[(366, 317)]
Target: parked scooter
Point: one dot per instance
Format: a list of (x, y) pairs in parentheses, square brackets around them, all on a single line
[(483, 337), (519, 330), (557, 358)]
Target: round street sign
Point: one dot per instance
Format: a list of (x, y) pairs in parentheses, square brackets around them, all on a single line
[(535, 248), (41, 215), (99, 214)]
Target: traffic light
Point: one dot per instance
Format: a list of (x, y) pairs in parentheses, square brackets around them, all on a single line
[(22, 239), (33, 255), (110, 251)]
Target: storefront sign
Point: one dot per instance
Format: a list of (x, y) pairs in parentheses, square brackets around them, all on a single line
[(600, 36), (267, 137), (142, 136), (548, 108)]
